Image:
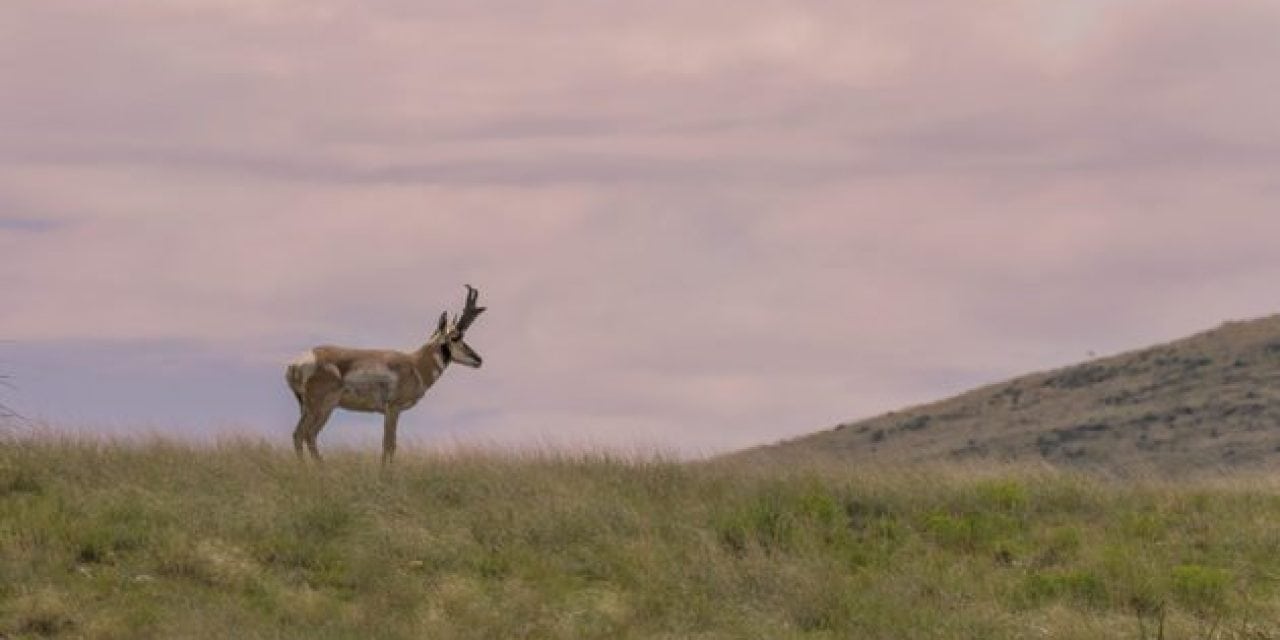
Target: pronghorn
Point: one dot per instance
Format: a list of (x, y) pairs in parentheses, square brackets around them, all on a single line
[(376, 381)]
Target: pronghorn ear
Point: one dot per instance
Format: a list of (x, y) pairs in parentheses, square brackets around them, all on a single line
[(444, 323)]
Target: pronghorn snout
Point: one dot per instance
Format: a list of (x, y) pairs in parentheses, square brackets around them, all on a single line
[(462, 353)]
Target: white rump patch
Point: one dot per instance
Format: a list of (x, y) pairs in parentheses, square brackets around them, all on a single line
[(303, 360), (300, 371)]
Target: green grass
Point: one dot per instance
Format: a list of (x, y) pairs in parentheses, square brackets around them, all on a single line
[(173, 541)]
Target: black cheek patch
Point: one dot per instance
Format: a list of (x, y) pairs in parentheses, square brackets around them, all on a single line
[(446, 354)]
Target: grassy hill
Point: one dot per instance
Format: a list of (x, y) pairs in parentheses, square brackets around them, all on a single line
[(156, 540), (1208, 402)]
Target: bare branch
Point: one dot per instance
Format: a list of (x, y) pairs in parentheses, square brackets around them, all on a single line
[(5, 411)]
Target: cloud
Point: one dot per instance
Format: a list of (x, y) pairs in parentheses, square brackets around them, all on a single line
[(699, 225)]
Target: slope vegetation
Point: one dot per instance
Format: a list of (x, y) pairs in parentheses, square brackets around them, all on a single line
[(239, 541), (1204, 403)]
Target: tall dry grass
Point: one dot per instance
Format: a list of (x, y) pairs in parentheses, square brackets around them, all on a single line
[(163, 540)]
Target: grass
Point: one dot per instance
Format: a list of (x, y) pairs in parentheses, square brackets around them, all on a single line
[(120, 540)]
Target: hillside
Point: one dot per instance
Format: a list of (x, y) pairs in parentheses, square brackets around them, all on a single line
[(159, 540), (1203, 403)]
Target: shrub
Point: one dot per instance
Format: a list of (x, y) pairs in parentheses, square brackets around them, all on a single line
[(1082, 587), (1201, 589)]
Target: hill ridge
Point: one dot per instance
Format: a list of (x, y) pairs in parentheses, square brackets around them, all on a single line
[(1204, 402)]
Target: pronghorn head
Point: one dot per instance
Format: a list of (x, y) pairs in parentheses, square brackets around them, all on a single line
[(451, 334)]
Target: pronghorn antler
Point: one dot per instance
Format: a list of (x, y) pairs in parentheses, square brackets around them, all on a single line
[(470, 312)]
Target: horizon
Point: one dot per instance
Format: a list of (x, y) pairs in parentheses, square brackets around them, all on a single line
[(696, 228)]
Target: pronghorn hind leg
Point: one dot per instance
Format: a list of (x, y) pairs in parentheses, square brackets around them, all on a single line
[(389, 435), (324, 391), (319, 418), (300, 432)]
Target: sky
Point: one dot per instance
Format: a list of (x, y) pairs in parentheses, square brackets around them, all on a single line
[(697, 226)]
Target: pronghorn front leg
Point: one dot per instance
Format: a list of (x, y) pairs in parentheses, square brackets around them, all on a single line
[(389, 434)]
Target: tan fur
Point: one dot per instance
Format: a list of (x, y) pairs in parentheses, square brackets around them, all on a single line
[(371, 380), (366, 380)]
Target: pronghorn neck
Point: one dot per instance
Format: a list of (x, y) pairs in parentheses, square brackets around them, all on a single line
[(432, 359)]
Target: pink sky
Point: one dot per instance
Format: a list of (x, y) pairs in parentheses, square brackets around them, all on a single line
[(698, 226)]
